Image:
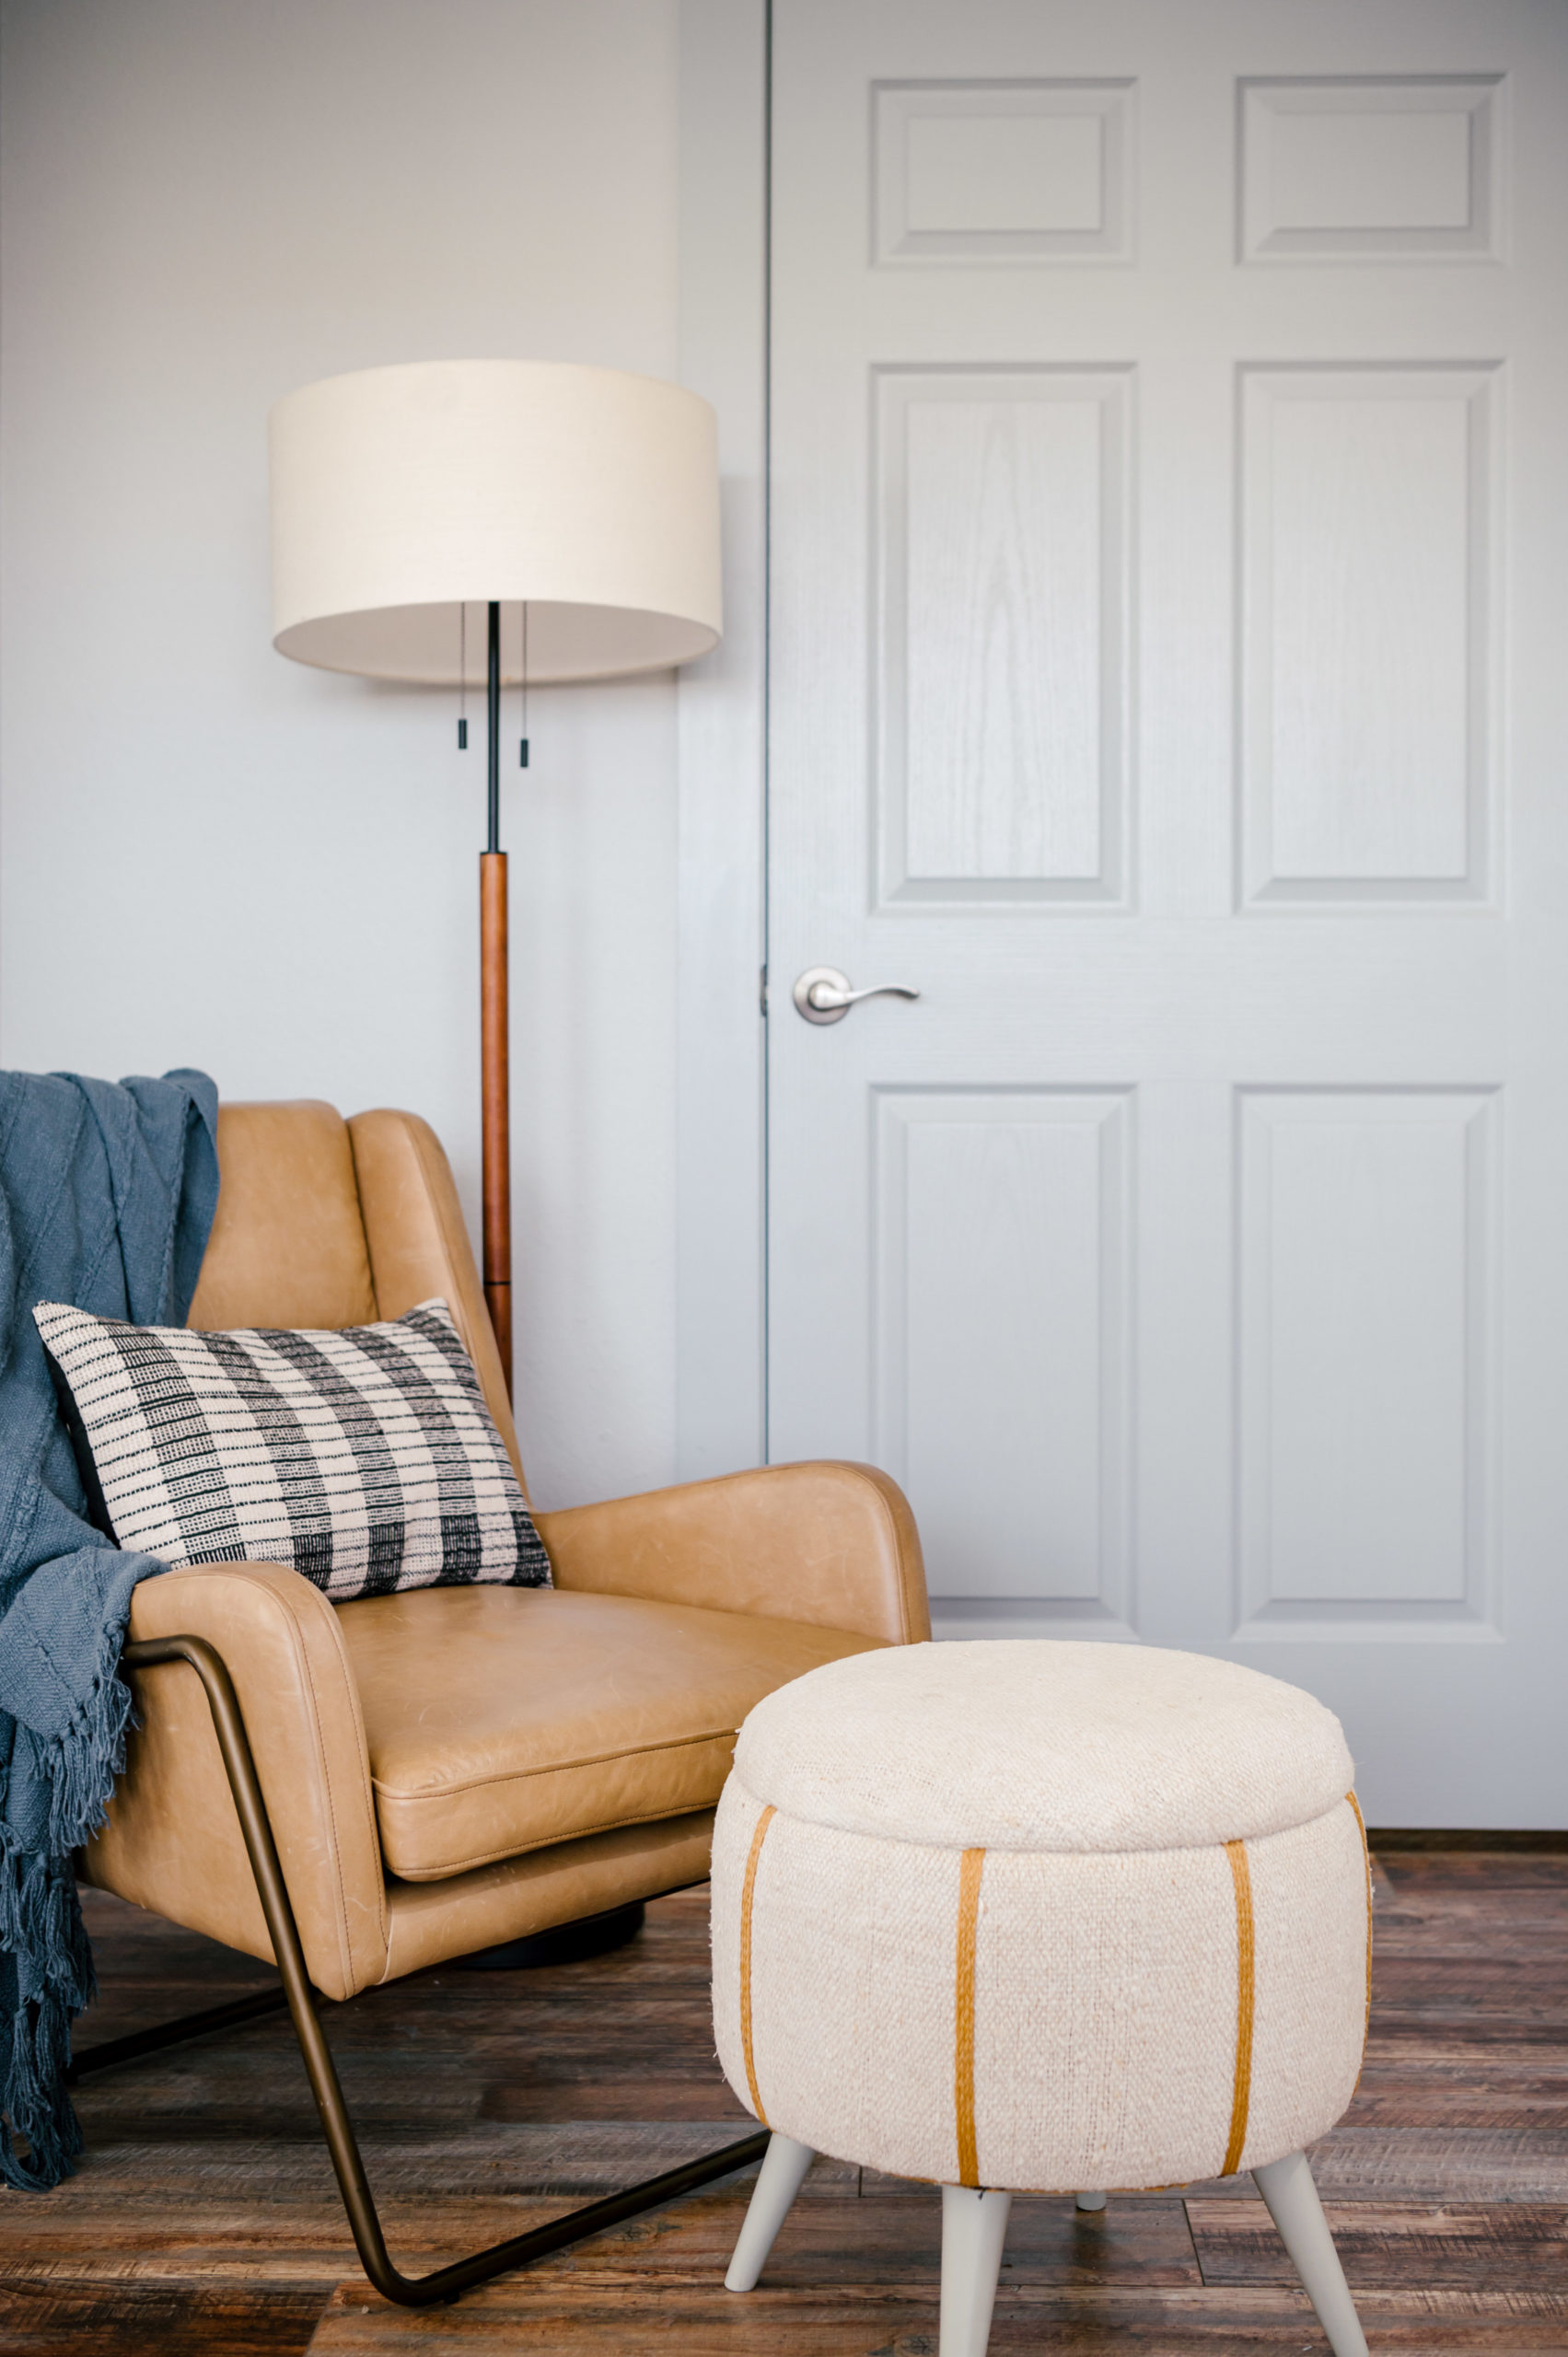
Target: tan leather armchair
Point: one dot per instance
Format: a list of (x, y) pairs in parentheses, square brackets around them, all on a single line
[(452, 1768)]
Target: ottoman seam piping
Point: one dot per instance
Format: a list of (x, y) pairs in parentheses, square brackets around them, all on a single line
[(1246, 1973), (969, 1873), (747, 1892)]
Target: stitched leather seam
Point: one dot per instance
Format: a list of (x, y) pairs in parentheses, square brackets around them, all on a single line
[(563, 1520), (440, 1793), (296, 1639), (351, 1700), (891, 1522), (345, 1942), (423, 1875), (864, 1475), (274, 1603)]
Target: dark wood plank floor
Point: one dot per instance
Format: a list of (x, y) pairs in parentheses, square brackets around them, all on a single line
[(205, 2219)]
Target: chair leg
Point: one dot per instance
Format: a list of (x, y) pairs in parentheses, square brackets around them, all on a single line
[(1286, 2186), (779, 2180), (1089, 2202), (444, 2282), (974, 2226)]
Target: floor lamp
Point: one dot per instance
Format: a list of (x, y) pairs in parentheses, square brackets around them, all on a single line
[(565, 518)]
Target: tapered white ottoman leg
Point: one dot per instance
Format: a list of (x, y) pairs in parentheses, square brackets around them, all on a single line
[(780, 2178), (974, 2226), (1286, 2186), (1090, 2201)]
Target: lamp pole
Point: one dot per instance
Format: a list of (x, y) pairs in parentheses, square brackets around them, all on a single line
[(494, 1060)]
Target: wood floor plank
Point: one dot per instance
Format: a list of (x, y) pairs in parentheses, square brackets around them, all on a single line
[(206, 2217), (1176, 2322), (41, 2320), (1390, 2243), (1427, 2165), (1493, 1870), (450, 2192), (595, 2093)]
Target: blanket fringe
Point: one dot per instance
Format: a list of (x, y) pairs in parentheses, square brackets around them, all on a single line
[(85, 1763), (39, 2111), (44, 1940)]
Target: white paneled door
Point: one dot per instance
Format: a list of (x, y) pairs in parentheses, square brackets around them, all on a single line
[(1169, 534)]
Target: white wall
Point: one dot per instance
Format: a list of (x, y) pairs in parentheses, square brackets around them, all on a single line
[(210, 856)]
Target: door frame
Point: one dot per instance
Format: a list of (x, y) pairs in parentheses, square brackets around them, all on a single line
[(721, 905)]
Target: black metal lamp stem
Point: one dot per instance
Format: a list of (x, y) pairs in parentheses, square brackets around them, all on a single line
[(494, 715), (496, 1082)]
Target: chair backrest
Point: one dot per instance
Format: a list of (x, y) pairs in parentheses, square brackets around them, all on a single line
[(322, 1222)]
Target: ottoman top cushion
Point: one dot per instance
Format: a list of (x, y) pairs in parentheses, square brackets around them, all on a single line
[(1030, 1744)]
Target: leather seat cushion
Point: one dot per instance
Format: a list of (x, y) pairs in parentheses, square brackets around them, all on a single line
[(502, 1719)]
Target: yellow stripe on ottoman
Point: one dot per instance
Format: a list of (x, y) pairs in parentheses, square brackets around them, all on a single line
[(748, 1894), (1246, 1998), (970, 1871), (1367, 1853)]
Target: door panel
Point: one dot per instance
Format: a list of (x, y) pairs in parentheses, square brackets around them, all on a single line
[(1366, 1303), (1004, 1264), (1371, 169), (1168, 500), (1368, 666), (1001, 713)]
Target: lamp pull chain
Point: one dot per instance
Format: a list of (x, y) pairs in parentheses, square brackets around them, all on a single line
[(523, 744), (463, 677)]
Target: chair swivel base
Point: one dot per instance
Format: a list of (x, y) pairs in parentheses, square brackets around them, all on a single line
[(444, 2282)]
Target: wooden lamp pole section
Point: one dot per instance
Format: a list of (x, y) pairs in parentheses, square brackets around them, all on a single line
[(494, 1064)]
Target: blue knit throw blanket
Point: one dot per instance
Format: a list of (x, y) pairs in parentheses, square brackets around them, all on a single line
[(107, 1194)]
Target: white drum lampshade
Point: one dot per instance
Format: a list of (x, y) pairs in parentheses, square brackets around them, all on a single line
[(399, 495)]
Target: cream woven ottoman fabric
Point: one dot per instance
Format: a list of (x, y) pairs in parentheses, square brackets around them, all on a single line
[(1037, 1915)]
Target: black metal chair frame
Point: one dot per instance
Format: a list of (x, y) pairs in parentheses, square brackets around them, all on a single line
[(444, 2282)]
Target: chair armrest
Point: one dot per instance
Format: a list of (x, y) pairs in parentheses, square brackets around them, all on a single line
[(832, 1544), (173, 1843)]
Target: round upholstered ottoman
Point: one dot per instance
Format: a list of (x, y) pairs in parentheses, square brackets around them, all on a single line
[(1044, 1916)]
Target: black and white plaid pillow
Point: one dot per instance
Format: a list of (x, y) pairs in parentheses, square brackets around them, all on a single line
[(365, 1458)]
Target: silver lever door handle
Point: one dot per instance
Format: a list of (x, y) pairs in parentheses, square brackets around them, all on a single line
[(823, 995)]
